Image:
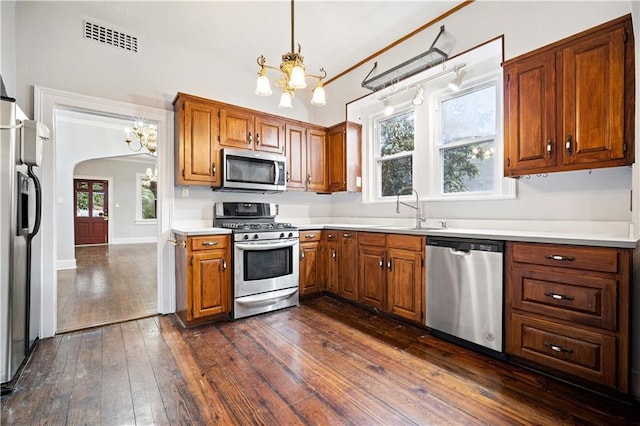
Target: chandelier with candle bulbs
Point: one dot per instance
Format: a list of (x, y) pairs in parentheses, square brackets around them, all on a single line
[(146, 136), (292, 76)]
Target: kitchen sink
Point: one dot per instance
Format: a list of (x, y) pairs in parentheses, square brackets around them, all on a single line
[(409, 228)]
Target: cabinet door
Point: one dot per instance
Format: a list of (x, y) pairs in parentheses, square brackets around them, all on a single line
[(372, 265), (317, 161), (593, 99), (269, 134), (336, 141), (296, 152), (332, 257), (198, 145), (310, 272), (530, 114), (211, 283), (404, 283), (348, 271), (236, 128)]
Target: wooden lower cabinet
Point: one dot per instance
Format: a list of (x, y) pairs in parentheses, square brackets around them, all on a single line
[(311, 271), (568, 312), (391, 273), (331, 256), (203, 278), (348, 280)]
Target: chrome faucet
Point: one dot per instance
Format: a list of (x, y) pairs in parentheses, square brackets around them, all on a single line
[(419, 217)]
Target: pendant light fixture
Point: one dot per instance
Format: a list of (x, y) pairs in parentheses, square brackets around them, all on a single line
[(292, 76)]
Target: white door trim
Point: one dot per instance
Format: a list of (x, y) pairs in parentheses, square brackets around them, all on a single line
[(46, 102)]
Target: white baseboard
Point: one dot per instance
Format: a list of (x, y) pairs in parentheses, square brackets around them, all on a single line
[(138, 240), (66, 264)]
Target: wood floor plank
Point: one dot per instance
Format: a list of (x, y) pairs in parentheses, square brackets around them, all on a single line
[(117, 403), (86, 402), (251, 399), (211, 406), (178, 402), (309, 405), (147, 402)]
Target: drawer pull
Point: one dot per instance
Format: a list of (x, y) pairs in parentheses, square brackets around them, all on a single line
[(209, 243), (309, 236), (347, 235), (558, 296), (557, 348), (561, 258)]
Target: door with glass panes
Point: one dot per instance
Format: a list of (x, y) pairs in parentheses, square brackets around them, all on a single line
[(91, 215)]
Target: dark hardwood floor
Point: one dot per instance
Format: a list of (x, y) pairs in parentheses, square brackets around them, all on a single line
[(322, 363), (111, 283)]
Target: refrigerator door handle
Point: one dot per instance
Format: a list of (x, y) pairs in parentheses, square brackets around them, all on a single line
[(38, 191)]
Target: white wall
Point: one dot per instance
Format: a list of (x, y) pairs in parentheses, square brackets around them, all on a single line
[(122, 204), (7, 46)]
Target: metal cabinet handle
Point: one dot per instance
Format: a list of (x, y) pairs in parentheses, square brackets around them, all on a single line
[(557, 348), (213, 169), (257, 138), (334, 254), (347, 235), (309, 235), (558, 296), (250, 138), (308, 178), (302, 255), (224, 264), (175, 242), (390, 264), (549, 147), (568, 144), (560, 258), (382, 262), (209, 243)]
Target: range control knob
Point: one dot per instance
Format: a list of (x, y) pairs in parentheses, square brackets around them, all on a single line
[(245, 237), (282, 235), (290, 234), (255, 236)]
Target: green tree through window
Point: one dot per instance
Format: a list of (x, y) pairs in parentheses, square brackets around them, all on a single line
[(396, 142)]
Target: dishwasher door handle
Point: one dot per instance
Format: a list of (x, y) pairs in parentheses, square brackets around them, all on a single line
[(459, 252)]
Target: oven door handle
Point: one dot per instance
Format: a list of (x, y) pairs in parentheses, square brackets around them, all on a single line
[(266, 298), (266, 246)]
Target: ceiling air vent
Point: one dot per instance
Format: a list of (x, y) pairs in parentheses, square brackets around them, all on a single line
[(109, 36)]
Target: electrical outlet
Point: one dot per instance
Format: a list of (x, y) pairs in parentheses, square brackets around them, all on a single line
[(277, 209), (185, 192)]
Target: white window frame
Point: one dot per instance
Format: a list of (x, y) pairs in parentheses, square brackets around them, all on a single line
[(139, 220), (378, 158), (503, 188)]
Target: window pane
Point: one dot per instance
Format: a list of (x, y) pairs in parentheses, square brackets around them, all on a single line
[(468, 168), (98, 186), (470, 115), (98, 204), (149, 201), (395, 175), (82, 204), (82, 185), (396, 134)]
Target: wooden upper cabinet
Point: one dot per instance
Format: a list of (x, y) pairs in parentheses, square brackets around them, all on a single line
[(296, 152), (236, 128), (343, 157), (270, 133), (317, 160), (196, 129), (530, 114), (593, 99), (570, 105)]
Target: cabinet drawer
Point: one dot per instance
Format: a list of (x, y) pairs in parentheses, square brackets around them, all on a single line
[(372, 239), (577, 352), (208, 242), (573, 297), (586, 258), (310, 236), (332, 235), (406, 242)]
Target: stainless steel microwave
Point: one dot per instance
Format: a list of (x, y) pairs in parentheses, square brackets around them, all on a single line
[(245, 170)]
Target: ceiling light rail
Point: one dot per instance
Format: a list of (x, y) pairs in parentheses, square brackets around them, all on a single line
[(413, 66)]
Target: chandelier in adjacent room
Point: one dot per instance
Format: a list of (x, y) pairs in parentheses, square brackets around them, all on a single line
[(146, 136), (292, 76)]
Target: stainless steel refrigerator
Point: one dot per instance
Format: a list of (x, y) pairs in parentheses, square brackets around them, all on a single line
[(20, 198)]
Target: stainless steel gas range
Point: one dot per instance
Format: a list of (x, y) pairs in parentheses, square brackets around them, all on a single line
[(265, 257)]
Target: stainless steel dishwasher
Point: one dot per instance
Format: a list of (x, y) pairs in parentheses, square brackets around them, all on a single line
[(464, 290)]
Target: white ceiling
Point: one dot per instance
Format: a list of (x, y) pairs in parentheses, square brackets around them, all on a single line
[(333, 34)]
